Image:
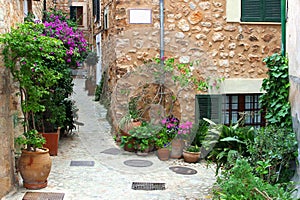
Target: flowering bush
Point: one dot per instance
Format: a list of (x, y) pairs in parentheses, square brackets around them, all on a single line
[(184, 130), (57, 26), (170, 126)]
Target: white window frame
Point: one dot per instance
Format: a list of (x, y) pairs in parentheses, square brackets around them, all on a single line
[(106, 18), (234, 13), (84, 17), (233, 10)]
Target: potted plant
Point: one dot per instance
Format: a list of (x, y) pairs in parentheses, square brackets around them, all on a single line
[(35, 75), (191, 154), (182, 138), (34, 163), (132, 118), (162, 144), (143, 138)]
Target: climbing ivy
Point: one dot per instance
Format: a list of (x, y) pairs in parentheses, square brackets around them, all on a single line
[(276, 86)]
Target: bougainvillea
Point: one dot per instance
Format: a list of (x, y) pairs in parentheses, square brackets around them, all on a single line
[(73, 39)]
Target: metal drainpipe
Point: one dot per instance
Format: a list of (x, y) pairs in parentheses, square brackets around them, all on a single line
[(161, 15), (283, 26), (44, 10)]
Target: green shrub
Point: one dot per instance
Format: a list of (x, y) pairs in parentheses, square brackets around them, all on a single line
[(226, 143), (272, 150), (241, 184), (99, 90)]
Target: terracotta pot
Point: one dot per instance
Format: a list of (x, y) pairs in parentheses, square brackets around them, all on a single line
[(191, 157), (35, 168), (163, 154), (177, 147), (52, 142), (145, 152), (129, 146)]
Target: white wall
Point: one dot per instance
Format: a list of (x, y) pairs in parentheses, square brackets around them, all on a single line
[(293, 54)]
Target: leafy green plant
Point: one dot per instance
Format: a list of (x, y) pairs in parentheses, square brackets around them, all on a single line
[(193, 148), (276, 86), (162, 140), (144, 136), (99, 91), (133, 110), (201, 132), (241, 184), (272, 150), (226, 143), (31, 140), (31, 58)]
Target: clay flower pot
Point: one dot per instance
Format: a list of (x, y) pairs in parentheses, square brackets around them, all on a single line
[(191, 157), (177, 147), (163, 154), (35, 167)]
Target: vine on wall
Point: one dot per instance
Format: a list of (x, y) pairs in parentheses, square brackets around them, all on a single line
[(276, 86)]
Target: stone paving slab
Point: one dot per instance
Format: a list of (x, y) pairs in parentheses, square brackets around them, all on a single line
[(110, 178)]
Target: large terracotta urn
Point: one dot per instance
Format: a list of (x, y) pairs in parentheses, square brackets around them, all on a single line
[(35, 167)]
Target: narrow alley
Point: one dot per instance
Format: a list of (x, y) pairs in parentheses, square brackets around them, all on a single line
[(90, 165)]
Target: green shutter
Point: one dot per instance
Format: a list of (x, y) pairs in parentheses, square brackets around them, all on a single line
[(209, 106), (94, 7), (260, 11), (252, 11), (272, 11), (98, 11)]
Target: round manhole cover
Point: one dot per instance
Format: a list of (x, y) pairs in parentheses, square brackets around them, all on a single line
[(183, 170), (138, 163)]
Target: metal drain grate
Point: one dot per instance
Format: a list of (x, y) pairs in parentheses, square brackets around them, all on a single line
[(148, 186), (43, 196), (183, 170), (138, 163), (82, 163), (112, 151)]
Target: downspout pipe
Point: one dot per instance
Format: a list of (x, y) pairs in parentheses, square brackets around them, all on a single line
[(283, 27), (161, 16), (44, 10)]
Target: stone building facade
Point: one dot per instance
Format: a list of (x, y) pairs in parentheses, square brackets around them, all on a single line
[(209, 31), (293, 54), (12, 12)]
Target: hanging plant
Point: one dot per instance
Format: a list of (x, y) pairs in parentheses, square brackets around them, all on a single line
[(92, 58)]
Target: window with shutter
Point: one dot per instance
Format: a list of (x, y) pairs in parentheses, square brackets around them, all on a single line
[(260, 11), (96, 10), (209, 106), (228, 109)]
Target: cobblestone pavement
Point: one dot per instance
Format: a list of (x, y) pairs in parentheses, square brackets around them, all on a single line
[(110, 178)]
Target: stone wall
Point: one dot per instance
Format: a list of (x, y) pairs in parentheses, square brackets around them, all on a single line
[(9, 16), (11, 13), (293, 54), (194, 30)]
